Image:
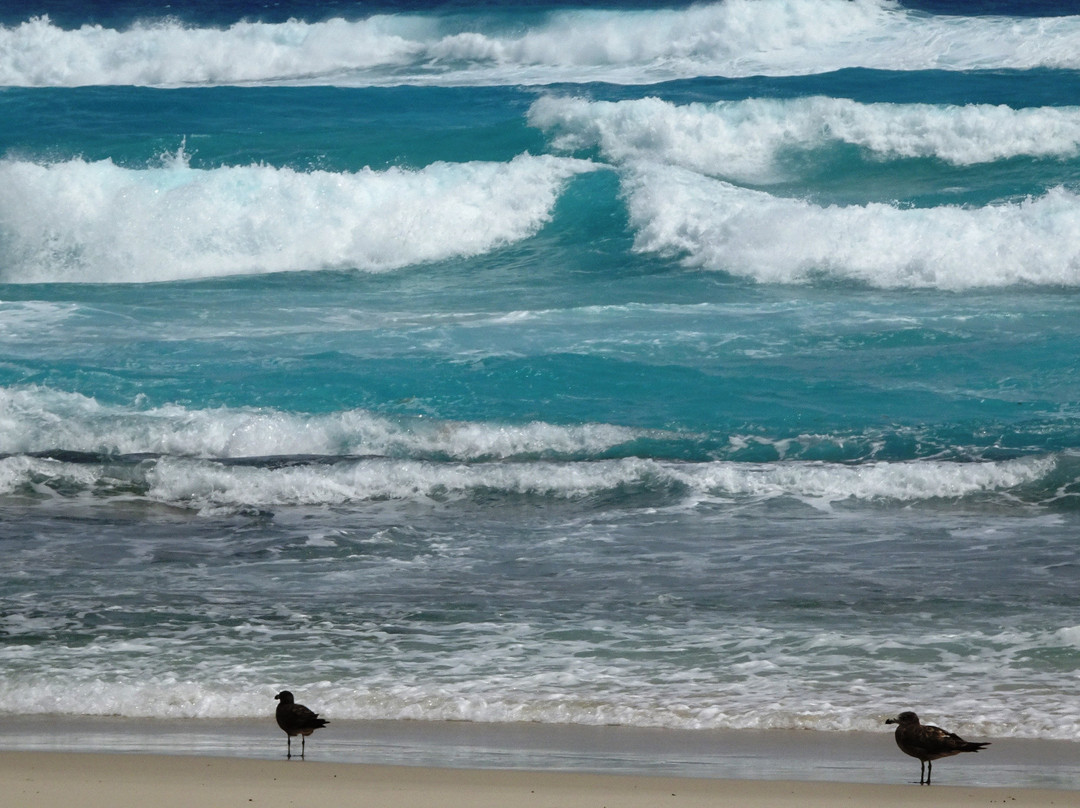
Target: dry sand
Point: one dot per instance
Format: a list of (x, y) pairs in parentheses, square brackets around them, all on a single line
[(87, 780)]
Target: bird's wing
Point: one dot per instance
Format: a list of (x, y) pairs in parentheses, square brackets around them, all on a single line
[(940, 738), (302, 713)]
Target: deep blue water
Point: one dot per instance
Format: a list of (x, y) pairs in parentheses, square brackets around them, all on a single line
[(652, 364)]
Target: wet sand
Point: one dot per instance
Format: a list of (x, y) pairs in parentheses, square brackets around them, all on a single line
[(64, 779), (53, 761)]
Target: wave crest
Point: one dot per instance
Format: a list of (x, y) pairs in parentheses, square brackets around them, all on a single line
[(92, 222), (715, 225)]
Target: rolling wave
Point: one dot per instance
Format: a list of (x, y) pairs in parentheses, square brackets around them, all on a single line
[(714, 225), (682, 169), (96, 222), (91, 222)]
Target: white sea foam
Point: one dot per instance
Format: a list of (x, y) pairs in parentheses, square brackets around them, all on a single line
[(24, 320), (715, 225), (762, 678), (745, 140), (734, 37), (79, 221), (826, 483)]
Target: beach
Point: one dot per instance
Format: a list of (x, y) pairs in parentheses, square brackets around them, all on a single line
[(118, 762), (117, 780)]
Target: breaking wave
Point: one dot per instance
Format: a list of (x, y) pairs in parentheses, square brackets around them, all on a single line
[(730, 38)]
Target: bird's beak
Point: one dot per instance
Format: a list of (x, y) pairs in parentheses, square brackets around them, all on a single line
[(891, 721)]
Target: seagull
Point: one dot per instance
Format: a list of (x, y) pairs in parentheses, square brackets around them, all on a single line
[(928, 743), (296, 719)]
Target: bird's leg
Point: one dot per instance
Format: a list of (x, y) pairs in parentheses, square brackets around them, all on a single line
[(929, 770), (301, 747), (922, 771), (288, 740)]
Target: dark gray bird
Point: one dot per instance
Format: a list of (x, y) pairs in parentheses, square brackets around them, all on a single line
[(296, 719), (928, 743)]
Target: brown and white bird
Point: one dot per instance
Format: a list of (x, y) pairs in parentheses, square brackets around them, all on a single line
[(928, 743), (296, 719)]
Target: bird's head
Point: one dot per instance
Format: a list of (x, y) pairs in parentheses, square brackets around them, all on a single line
[(285, 696), (906, 718)]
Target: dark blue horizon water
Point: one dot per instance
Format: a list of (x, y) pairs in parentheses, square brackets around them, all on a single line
[(491, 363), (119, 13)]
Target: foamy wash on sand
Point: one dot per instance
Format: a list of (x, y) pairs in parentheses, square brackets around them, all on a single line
[(691, 367)]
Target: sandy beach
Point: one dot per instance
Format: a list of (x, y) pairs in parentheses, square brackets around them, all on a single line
[(49, 779), (120, 762)]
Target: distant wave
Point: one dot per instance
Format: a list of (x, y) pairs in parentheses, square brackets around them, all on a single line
[(745, 140), (730, 38), (79, 221)]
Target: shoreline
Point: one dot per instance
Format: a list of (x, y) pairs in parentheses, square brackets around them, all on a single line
[(837, 758), (61, 779)]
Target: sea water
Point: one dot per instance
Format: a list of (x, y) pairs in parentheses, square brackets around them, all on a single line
[(662, 365)]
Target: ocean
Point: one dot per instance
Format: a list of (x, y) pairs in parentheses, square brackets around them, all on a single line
[(673, 366)]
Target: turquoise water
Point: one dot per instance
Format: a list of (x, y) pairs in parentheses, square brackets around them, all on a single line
[(697, 367)]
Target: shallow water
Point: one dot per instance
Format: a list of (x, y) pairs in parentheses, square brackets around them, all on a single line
[(844, 757)]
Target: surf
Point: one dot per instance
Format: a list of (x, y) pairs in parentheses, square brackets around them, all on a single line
[(98, 222), (731, 38)]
